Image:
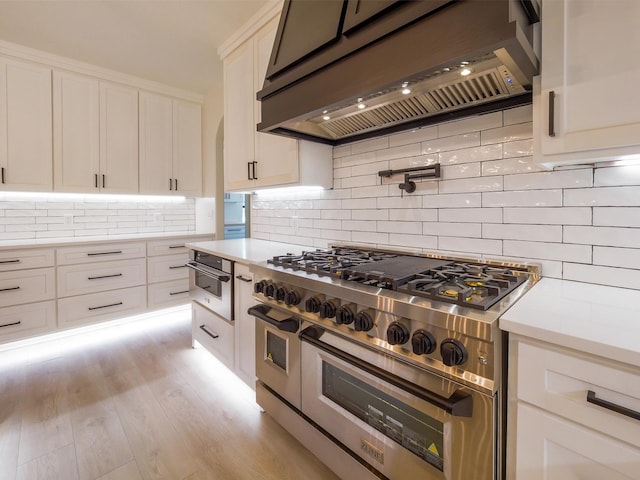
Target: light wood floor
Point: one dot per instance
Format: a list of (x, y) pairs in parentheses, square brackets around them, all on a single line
[(130, 404)]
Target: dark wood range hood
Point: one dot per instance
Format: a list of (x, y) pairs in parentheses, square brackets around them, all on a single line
[(344, 70)]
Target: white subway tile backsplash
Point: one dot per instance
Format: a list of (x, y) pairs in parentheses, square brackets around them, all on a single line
[(360, 225), (606, 236), (468, 155), (469, 230), (413, 136), (521, 148), (521, 114), (372, 145), (370, 237), (510, 133), (604, 197), (524, 198), (451, 143), (510, 166), (381, 214), (413, 241), (465, 170), (617, 176), (471, 245), (617, 277), (471, 124), (407, 201), (360, 181), (453, 200), (370, 192), (617, 257), (544, 180), (335, 214), (616, 217), (410, 228), (547, 250), (548, 216), (466, 185), (369, 168), (535, 233), (403, 151), (470, 215), (341, 151), (414, 215)]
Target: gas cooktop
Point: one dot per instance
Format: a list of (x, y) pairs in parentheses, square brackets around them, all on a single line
[(466, 283)]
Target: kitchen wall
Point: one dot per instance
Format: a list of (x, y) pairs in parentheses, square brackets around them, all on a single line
[(493, 201), (33, 216)]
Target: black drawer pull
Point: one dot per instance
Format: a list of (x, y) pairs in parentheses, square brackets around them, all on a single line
[(206, 330), (176, 246), (244, 279), (11, 324), (95, 254), (552, 113), (10, 261), (179, 293), (9, 289), (106, 306), (3, 179), (95, 180), (177, 266), (105, 276), (627, 412)]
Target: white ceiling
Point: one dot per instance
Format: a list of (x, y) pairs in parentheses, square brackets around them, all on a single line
[(169, 41)]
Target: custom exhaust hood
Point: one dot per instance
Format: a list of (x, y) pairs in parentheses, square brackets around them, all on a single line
[(344, 70)]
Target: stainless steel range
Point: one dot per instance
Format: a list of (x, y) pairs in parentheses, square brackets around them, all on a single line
[(393, 361)]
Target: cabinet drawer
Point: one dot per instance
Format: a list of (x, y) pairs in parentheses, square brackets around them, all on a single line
[(28, 258), (26, 286), (22, 321), (81, 279), (166, 294), (167, 267), (213, 333), (167, 247), (100, 252), (98, 307), (558, 381)]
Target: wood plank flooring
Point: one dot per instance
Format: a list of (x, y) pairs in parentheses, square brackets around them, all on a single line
[(136, 402)]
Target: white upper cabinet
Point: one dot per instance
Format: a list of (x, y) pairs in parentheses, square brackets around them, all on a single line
[(170, 146), (254, 160), (25, 126), (95, 135), (588, 105)]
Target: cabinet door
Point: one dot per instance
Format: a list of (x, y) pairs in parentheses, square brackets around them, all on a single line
[(245, 326), (187, 148), (118, 138), (76, 129), (277, 156), (26, 134), (553, 448), (239, 121), (156, 144), (585, 47)]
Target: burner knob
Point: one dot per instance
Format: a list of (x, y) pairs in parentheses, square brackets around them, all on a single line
[(269, 290), (292, 298), (363, 322), (313, 305), (258, 287), (453, 352), (281, 292), (344, 315), (397, 334), (327, 309), (422, 342)]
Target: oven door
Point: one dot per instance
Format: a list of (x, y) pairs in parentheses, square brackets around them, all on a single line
[(403, 421), (278, 352), (211, 288)]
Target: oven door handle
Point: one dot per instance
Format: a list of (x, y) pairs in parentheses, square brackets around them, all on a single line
[(459, 404), (209, 272), (287, 325)]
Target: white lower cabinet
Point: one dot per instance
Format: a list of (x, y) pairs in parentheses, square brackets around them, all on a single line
[(245, 325), (572, 416), (214, 333), (99, 307), (24, 286), (95, 277), (167, 294), (21, 321)]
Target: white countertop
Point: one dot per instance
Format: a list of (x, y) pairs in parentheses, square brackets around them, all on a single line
[(597, 319), (247, 250), (67, 241)]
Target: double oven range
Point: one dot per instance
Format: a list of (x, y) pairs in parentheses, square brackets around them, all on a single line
[(391, 361)]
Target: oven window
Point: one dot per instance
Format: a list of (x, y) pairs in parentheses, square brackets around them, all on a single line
[(407, 426), (277, 350), (209, 284)]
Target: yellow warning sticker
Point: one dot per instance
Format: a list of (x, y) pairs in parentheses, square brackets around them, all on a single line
[(433, 449)]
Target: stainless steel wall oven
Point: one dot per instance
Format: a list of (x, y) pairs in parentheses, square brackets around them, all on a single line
[(211, 283)]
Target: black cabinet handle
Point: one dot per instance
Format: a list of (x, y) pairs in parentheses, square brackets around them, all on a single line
[(95, 180), (9, 289), (11, 324), (173, 267), (254, 163), (105, 276), (552, 114), (103, 181), (244, 279), (170, 184), (10, 261), (248, 171), (175, 184), (105, 306), (3, 179), (179, 293), (95, 254), (206, 330), (176, 246), (627, 412)]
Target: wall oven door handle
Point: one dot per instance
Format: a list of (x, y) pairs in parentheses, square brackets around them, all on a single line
[(286, 325), (459, 404), (209, 272)]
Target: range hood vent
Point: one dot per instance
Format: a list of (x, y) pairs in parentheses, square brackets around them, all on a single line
[(340, 102)]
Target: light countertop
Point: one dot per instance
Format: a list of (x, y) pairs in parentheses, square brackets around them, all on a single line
[(69, 241), (247, 250), (596, 319)]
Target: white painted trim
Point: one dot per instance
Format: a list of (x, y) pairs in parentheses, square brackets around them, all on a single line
[(55, 61), (246, 31)]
